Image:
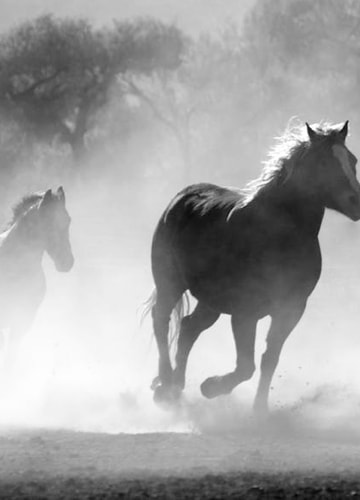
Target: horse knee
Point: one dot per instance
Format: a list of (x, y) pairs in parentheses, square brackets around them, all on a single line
[(245, 371)]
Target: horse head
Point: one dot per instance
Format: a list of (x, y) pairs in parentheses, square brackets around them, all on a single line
[(333, 170), (56, 224)]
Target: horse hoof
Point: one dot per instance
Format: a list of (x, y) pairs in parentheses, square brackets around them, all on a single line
[(166, 395), (212, 387), (155, 383)]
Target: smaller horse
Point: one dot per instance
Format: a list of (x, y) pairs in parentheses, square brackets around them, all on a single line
[(249, 253), (40, 224)]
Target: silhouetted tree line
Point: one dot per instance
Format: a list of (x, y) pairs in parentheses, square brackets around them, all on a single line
[(56, 74), (144, 97)]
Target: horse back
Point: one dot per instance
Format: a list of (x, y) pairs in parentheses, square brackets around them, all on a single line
[(199, 204), (193, 211), (225, 251), (192, 229)]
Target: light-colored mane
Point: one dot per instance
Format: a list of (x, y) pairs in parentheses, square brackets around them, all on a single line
[(291, 147), (24, 205)]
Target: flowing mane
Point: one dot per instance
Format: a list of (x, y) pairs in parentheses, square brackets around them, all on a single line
[(283, 157), (24, 205)]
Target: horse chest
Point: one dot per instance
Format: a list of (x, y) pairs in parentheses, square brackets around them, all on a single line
[(21, 289)]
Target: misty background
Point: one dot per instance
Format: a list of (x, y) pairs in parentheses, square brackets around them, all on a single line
[(124, 105)]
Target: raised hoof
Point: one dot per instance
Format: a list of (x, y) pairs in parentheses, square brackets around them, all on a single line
[(213, 387), (166, 395)]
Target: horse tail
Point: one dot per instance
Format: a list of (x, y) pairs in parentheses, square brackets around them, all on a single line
[(148, 305), (180, 310)]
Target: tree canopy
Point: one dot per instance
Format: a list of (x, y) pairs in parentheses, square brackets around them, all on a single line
[(150, 99), (55, 74)]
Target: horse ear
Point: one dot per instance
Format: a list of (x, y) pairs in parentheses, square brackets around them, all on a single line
[(61, 194), (47, 197), (311, 133), (344, 131)]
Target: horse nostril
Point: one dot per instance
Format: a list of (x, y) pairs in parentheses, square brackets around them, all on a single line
[(353, 199)]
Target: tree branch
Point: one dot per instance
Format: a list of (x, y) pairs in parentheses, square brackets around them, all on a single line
[(31, 89), (139, 93)]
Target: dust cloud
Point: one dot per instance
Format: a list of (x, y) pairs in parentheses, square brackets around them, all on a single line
[(87, 363)]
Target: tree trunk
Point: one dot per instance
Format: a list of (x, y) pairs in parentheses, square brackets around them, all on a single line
[(77, 142), (78, 148)]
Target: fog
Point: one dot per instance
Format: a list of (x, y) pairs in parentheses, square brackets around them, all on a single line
[(88, 362), (193, 16)]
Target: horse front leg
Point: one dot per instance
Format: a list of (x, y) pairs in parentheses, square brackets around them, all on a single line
[(283, 322), (244, 330)]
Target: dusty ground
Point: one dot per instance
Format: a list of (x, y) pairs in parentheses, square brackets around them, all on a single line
[(64, 464)]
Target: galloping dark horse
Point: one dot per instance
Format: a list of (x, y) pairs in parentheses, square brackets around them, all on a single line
[(250, 254), (40, 223)]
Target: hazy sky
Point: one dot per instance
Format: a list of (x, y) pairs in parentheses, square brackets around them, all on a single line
[(191, 15)]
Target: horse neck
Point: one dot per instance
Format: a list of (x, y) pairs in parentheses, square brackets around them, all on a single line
[(24, 239), (302, 206)]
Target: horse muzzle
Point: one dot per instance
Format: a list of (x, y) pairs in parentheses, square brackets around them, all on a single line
[(64, 265), (350, 206)]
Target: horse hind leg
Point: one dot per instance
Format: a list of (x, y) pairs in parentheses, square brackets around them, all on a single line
[(244, 330), (191, 326), (161, 312)]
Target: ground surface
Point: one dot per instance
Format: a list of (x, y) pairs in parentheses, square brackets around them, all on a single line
[(60, 464)]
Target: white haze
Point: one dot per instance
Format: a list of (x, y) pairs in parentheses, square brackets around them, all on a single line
[(87, 364), (193, 16)]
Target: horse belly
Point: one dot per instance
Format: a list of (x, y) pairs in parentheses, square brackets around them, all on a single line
[(256, 285), (229, 290), (232, 301)]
